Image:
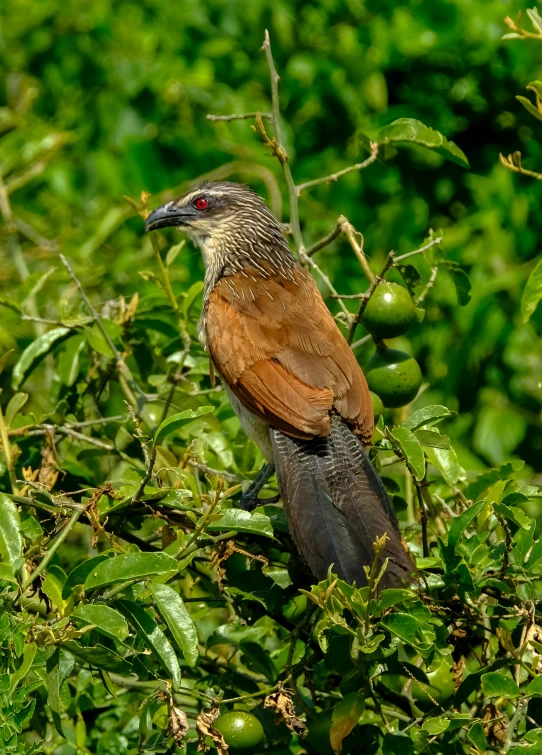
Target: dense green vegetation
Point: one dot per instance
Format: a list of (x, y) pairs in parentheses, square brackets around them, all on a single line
[(135, 596)]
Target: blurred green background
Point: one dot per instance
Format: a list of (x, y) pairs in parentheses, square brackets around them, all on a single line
[(103, 98)]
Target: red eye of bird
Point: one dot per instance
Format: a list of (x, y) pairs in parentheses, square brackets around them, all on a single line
[(201, 203)]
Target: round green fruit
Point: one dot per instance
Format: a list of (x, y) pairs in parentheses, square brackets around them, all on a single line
[(395, 376), (242, 731), (378, 406), (390, 311)]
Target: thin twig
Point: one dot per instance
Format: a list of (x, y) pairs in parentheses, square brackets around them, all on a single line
[(428, 286), (331, 236), (511, 728), (335, 176), (277, 127), (350, 232), (329, 284), (241, 117), (360, 341)]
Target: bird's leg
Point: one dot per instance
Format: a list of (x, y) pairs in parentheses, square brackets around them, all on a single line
[(249, 497)]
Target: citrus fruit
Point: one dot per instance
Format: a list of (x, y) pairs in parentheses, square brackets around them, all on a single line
[(394, 375), (378, 406), (390, 311), (242, 731)]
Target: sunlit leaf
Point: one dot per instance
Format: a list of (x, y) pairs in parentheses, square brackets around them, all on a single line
[(130, 566), (411, 130), (155, 639), (172, 609), (173, 423), (34, 353)]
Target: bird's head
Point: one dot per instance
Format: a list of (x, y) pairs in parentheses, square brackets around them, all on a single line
[(228, 221), (211, 209)]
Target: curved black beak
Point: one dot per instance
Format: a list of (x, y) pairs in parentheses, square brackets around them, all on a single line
[(168, 215)]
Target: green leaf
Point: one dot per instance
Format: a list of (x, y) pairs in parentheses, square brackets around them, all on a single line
[(78, 575), (529, 107), (191, 296), (513, 514), (98, 656), (98, 341), (472, 681), (130, 566), (11, 541), (426, 415), (257, 659), (478, 486), (172, 609), (436, 725), (59, 666), (106, 619), (433, 439), (29, 654), (68, 359), (461, 522), (534, 688), (34, 353), (447, 462), (411, 130), (478, 737), (412, 450), (173, 251), (172, 423), (398, 744), (495, 684), (345, 717), (6, 573), (460, 280), (532, 293), (52, 585), (14, 407), (154, 638), (242, 521)]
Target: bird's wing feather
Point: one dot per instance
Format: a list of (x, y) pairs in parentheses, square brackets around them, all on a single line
[(278, 348)]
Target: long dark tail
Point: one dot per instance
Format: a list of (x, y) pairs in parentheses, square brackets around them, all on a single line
[(336, 506)]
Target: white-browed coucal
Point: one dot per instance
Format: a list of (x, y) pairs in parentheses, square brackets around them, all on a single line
[(292, 379)]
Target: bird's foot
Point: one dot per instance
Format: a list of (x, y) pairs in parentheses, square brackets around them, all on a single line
[(250, 502), (249, 498)]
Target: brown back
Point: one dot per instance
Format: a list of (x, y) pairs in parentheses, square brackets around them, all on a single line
[(278, 348)]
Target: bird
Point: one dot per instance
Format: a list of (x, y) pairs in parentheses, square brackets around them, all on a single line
[(292, 380)]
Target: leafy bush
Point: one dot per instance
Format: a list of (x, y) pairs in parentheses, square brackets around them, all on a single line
[(137, 600)]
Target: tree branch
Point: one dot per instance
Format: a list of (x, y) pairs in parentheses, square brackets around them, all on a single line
[(340, 173)]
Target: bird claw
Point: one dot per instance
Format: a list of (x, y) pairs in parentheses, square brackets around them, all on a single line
[(250, 502), (249, 497)]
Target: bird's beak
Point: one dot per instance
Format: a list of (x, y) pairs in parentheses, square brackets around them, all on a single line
[(169, 215)]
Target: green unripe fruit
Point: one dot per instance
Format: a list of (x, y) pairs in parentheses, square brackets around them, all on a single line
[(390, 311), (242, 731), (395, 376), (378, 406)]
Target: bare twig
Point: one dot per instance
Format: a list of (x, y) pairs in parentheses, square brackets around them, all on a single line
[(242, 117), (335, 176), (428, 286), (330, 286), (511, 728), (324, 241), (277, 127), (513, 163), (350, 232)]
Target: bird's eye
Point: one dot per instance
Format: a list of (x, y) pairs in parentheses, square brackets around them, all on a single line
[(201, 203)]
